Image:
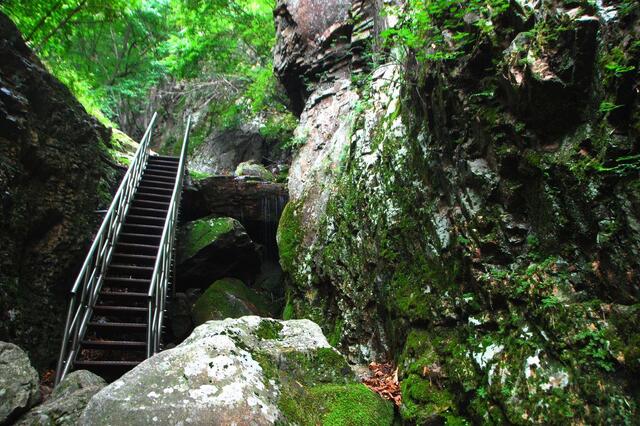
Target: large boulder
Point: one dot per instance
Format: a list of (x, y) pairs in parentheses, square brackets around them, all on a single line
[(229, 298), (242, 199), (255, 170), (54, 174), (214, 248), (246, 371), (66, 403), (18, 382), (222, 151)]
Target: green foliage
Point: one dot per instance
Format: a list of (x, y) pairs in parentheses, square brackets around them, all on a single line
[(111, 53), (196, 175), (606, 106), (221, 36), (424, 22), (622, 166), (595, 349), (279, 128), (105, 52)]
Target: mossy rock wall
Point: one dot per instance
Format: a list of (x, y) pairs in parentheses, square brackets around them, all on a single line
[(487, 246), (55, 173)]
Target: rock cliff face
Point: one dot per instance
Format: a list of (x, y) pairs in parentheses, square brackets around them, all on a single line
[(477, 219), (54, 174)]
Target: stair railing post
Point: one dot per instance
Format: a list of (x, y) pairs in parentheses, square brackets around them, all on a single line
[(89, 281)]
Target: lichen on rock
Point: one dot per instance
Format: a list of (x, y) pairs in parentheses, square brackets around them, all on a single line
[(19, 388)]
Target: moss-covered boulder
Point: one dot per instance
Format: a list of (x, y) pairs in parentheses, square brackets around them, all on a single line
[(215, 247), (244, 371), (229, 298), (251, 169)]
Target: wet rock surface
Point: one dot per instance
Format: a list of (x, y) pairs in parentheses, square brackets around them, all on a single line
[(236, 371), (19, 388), (54, 174)]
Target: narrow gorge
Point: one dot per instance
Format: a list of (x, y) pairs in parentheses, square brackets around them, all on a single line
[(319, 212)]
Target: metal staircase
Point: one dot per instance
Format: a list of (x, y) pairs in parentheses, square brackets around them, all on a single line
[(117, 303)]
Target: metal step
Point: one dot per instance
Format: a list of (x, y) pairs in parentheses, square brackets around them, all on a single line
[(138, 228), (119, 325), (162, 168), (135, 218), (123, 295), (135, 238), (148, 210), (133, 259), (156, 159), (160, 177), (113, 344), (145, 181), (130, 271), (161, 172), (148, 196), (164, 157), (119, 310), (136, 248), (152, 204), (126, 282), (154, 189)]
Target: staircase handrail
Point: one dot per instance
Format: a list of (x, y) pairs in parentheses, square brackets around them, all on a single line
[(157, 294), (87, 286)]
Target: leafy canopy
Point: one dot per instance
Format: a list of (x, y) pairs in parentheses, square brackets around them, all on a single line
[(111, 52)]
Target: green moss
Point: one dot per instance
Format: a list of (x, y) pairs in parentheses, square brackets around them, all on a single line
[(203, 232), (196, 175), (251, 169), (288, 311), (227, 298), (336, 334), (269, 330), (290, 235), (423, 401), (336, 405), (324, 365)]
